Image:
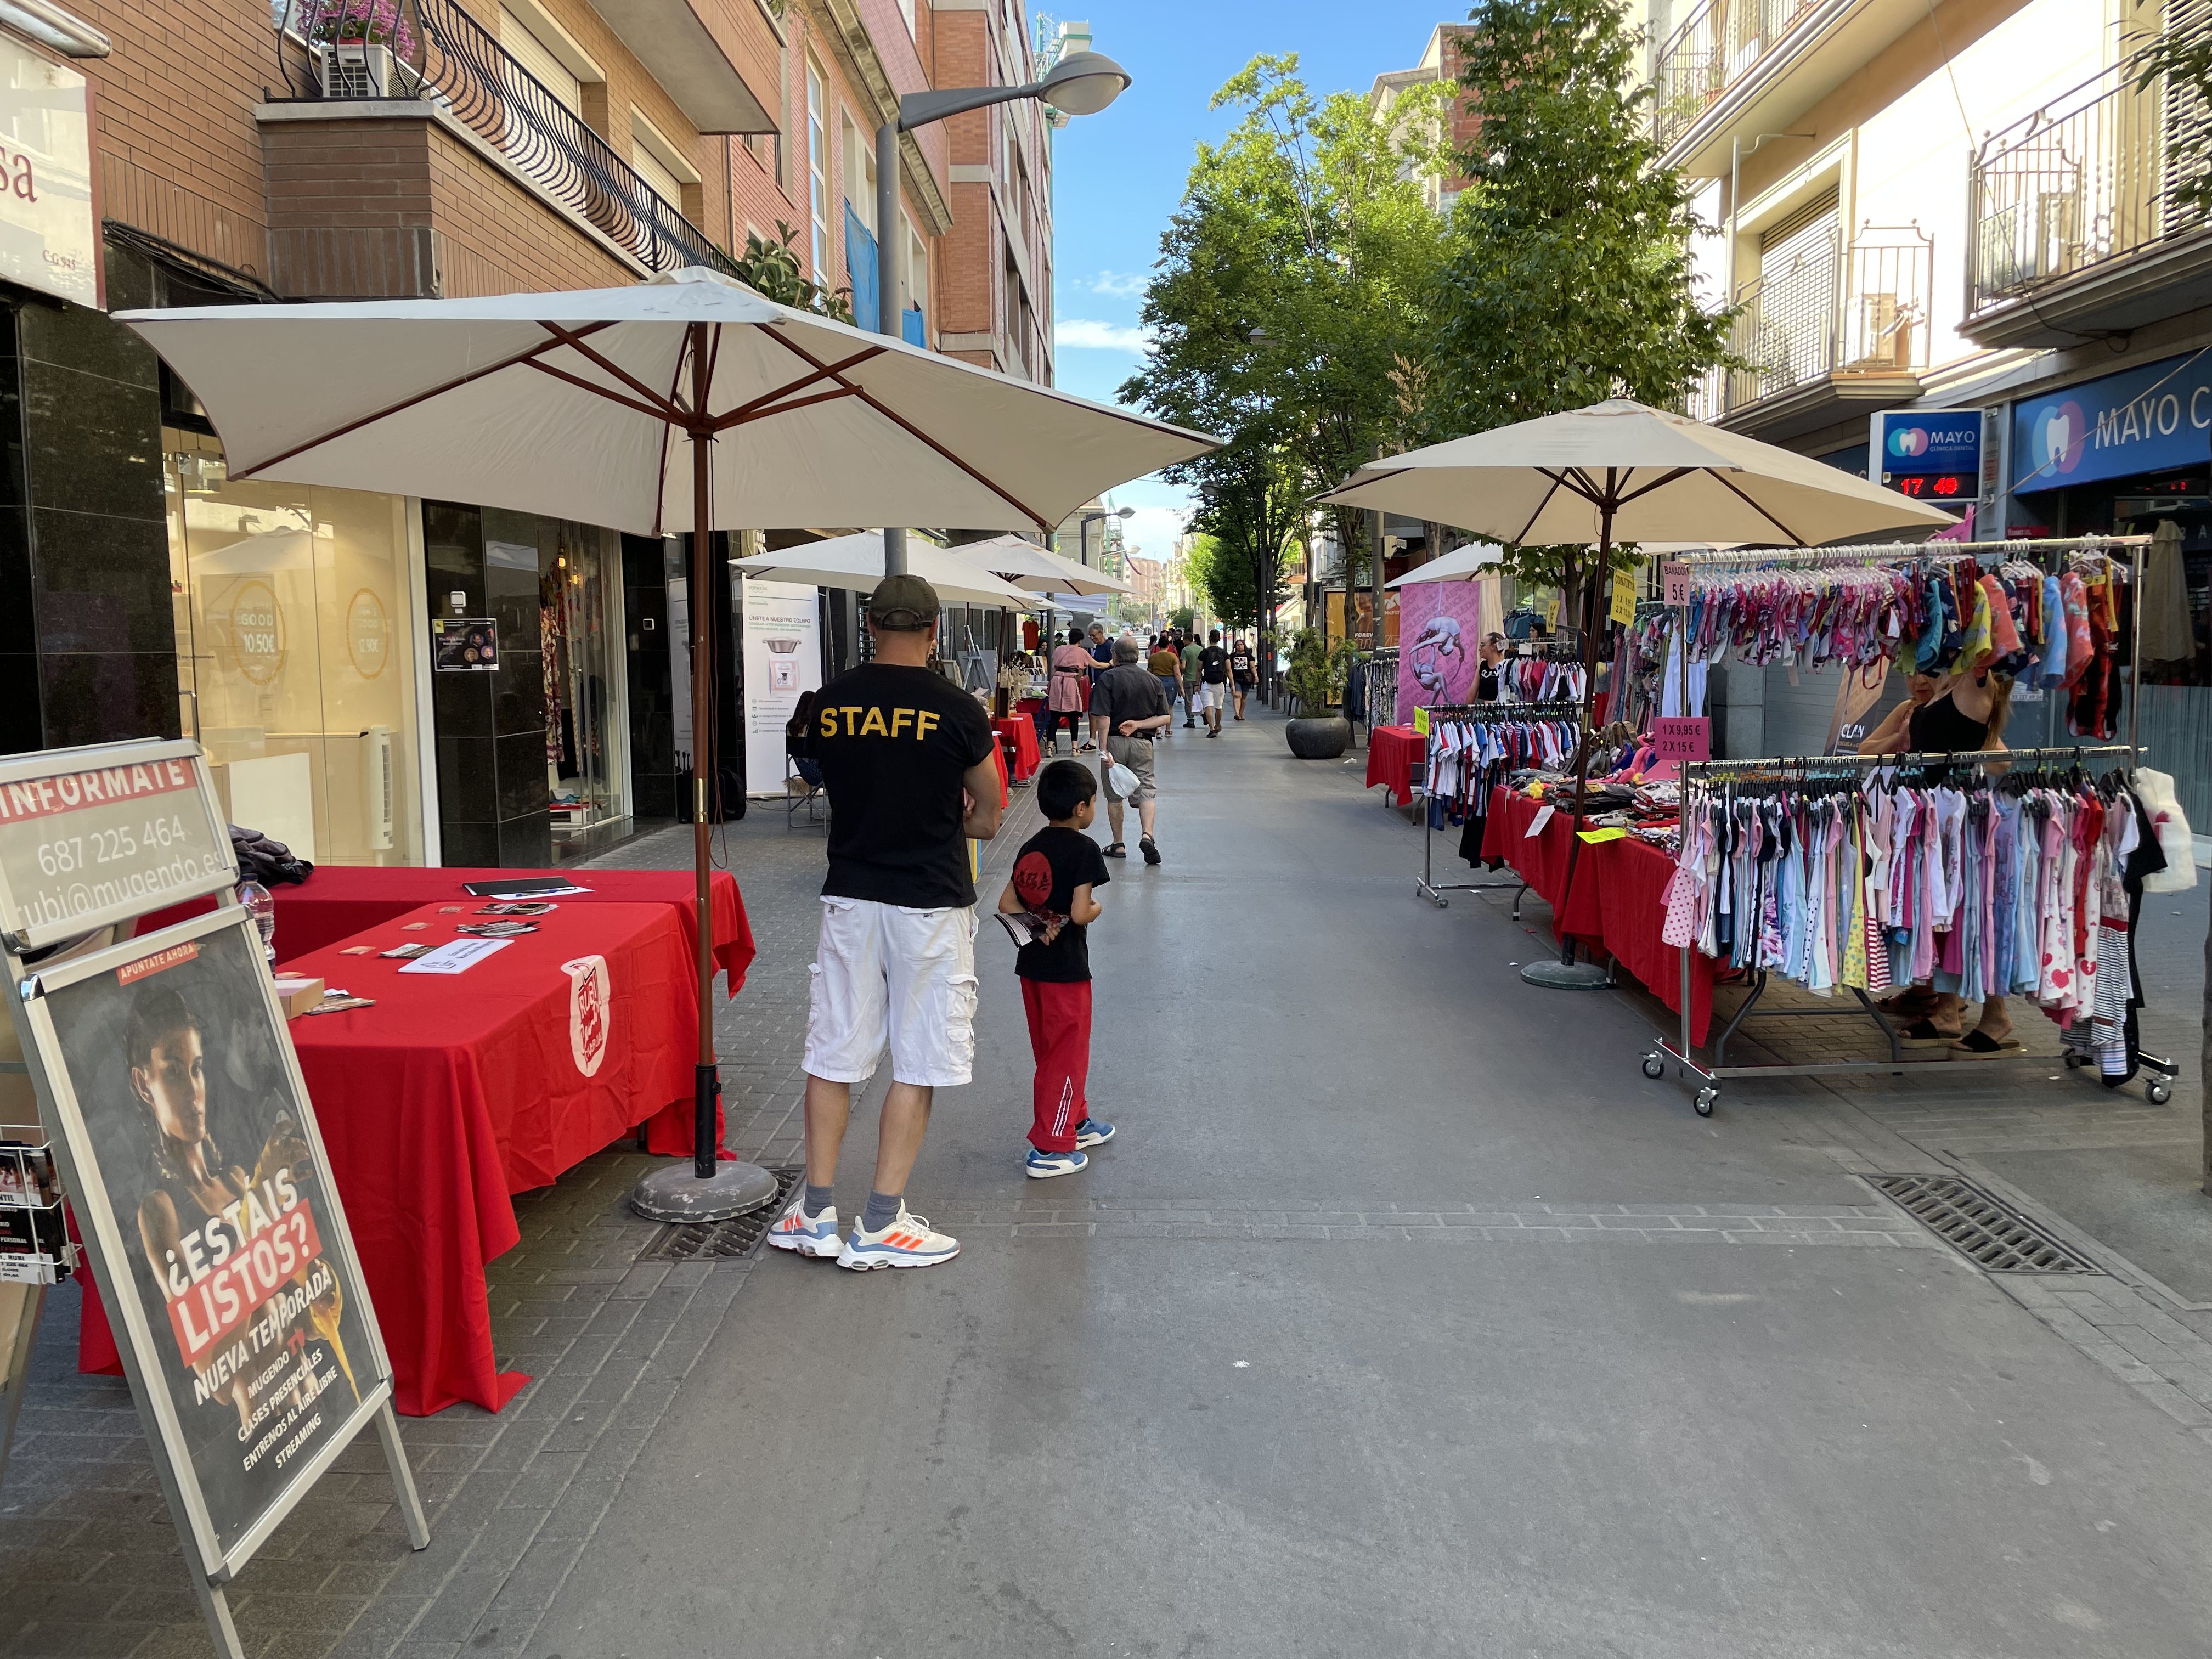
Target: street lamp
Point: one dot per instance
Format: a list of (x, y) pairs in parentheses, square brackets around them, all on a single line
[(1080, 83)]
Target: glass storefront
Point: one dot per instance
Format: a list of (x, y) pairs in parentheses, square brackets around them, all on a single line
[(296, 655), (580, 618)]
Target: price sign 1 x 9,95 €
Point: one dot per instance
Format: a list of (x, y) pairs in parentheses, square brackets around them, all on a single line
[(136, 829)]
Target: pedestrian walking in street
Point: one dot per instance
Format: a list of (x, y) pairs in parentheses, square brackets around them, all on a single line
[(906, 758), (1127, 709), (1101, 651), (1242, 679), (1212, 682), (1193, 677), (1167, 669), (1067, 694), (1054, 876)]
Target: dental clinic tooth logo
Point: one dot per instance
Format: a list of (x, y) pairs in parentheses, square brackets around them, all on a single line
[(1907, 441), (591, 1011), (2061, 435)]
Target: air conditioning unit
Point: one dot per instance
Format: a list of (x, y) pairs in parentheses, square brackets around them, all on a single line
[(379, 805), (354, 69)]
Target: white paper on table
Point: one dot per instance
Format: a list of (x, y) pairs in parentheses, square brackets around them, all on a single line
[(1543, 816), (457, 957)]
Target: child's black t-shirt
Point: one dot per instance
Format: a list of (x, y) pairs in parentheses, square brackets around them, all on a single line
[(1052, 863)]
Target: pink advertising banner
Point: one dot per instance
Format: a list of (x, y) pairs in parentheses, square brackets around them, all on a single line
[(1440, 626)]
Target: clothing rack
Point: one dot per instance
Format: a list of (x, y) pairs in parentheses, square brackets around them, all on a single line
[(1426, 883), (1903, 552), (1710, 1077)]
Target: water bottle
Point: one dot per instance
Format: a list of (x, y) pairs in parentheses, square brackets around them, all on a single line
[(261, 905)]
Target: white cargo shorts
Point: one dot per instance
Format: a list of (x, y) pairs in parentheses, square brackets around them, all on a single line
[(1208, 699), (886, 974)]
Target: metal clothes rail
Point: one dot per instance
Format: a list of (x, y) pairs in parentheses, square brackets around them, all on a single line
[(1709, 1078), (1426, 883)]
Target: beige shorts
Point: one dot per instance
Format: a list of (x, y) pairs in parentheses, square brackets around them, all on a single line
[(884, 975), (1136, 754)]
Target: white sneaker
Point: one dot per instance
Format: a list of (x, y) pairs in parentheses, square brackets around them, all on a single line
[(795, 1230), (905, 1241)]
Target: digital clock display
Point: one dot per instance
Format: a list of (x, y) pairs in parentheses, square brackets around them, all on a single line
[(1941, 486)]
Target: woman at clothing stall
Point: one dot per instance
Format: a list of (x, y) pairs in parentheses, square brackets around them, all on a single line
[(1950, 714), (1485, 671), (1069, 694)]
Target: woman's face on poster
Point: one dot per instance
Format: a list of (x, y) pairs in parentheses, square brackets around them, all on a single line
[(174, 1085)]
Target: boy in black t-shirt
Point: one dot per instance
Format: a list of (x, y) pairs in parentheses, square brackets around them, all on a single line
[(1054, 875)]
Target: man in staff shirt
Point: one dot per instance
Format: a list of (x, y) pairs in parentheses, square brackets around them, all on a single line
[(906, 757)]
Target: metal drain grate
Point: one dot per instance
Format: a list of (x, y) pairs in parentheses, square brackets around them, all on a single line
[(720, 1241), (1996, 1237)]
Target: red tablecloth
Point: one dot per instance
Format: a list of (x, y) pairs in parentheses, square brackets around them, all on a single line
[(339, 900), (1618, 904), (1393, 757), (1021, 730), (454, 1093)]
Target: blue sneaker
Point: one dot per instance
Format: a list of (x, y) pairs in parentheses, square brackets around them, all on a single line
[(809, 1235), (1042, 1166), (1093, 1132)]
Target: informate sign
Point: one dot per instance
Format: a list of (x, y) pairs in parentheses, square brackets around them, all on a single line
[(172, 1103), (91, 837), (1930, 454), (49, 235), (783, 662)]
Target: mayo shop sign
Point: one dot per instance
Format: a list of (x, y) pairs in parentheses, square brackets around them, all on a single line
[(49, 239), (2141, 420)]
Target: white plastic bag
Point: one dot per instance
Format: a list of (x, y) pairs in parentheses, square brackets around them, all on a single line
[(2174, 839)]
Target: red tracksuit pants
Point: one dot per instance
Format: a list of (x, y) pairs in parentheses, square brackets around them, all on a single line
[(1060, 1037)]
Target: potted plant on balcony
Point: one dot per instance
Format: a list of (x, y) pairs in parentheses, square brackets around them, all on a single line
[(354, 41), (1316, 678)]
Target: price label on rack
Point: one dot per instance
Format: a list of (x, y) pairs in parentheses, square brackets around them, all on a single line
[(1624, 596), (1680, 740), (1421, 722), (1552, 613), (1674, 582)]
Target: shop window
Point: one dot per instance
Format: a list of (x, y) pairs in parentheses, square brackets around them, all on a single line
[(295, 655)]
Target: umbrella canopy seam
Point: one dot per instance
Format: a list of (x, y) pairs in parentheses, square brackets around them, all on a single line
[(914, 432), (424, 397)]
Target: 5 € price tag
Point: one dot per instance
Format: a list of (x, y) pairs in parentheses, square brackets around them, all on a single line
[(1674, 582), (1552, 613), (1679, 739), (1624, 596), (1421, 722)]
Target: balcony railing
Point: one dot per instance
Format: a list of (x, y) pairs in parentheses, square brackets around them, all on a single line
[(1832, 311), (353, 50), (1716, 46), (2092, 176)]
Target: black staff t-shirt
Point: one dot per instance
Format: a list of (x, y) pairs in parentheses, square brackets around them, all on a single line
[(1240, 665), (893, 744), (1214, 662), (1052, 863)]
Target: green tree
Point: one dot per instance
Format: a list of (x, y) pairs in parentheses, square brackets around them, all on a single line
[(1292, 278), (1250, 510), (2181, 57), (1568, 277)]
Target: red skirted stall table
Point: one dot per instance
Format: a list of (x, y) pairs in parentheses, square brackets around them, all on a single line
[(338, 900), (454, 1092), (1020, 731), (1393, 757), (1618, 902)]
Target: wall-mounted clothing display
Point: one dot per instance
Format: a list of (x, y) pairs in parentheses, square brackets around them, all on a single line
[(2059, 623)]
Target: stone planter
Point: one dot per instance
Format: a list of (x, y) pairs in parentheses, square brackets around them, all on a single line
[(1319, 739)]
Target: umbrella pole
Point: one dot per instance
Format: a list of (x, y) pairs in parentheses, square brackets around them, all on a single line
[(710, 1189), (1566, 974)]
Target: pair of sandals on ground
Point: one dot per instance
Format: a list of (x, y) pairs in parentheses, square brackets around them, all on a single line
[(1925, 1014)]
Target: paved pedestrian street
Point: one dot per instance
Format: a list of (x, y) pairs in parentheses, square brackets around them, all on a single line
[(1404, 1315)]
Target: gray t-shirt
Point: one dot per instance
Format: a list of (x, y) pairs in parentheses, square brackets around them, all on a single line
[(1130, 692)]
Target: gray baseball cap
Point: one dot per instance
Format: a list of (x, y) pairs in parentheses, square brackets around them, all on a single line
[(903, 605)]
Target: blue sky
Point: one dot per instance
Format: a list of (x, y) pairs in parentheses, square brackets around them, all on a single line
[(1118, 175)]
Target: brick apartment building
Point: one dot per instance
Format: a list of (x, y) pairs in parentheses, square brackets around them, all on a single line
[(216, 152), (1440, 61)]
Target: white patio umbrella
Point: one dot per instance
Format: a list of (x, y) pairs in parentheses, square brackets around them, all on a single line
[(575, 406), (857, 562), (1039, 569), (1462, 564), (1622, 471)]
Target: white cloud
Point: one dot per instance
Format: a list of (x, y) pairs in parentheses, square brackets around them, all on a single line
[(1122, 284), (1081, 333)]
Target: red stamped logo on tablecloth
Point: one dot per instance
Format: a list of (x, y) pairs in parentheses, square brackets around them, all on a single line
[(591, 1011)]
